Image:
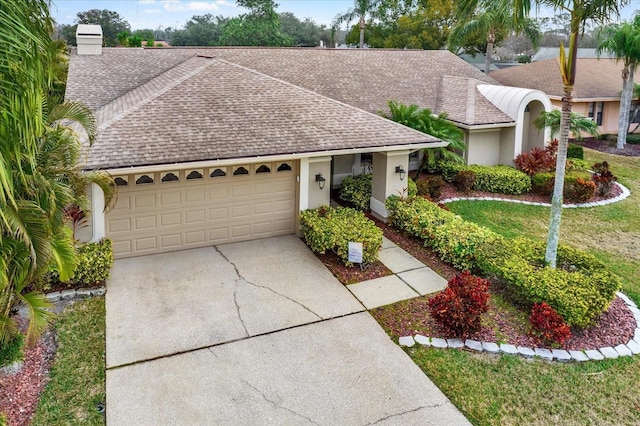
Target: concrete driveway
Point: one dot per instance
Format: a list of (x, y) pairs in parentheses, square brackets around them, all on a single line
[(249, 334)]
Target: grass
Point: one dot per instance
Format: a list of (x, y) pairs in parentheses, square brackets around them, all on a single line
[(507, 390), (77, 375)]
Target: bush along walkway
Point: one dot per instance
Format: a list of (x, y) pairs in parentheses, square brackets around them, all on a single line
[(632, 347), (623, 194)]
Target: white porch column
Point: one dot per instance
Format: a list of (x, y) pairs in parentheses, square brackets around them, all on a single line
[(303, 181), (97, 213), (386, 181)]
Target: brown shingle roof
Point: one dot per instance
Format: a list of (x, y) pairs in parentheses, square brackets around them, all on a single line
[(207, 109), (595, 78), (463, 102)]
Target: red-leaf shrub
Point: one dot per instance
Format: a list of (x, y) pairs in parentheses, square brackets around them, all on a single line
[(464, 180), (603, 178), (459, 307), (549, 324), (538, 160), (580, 191)]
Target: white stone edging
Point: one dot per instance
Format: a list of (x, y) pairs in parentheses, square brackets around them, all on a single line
[(79, 294), (624, 194), (632, 347)]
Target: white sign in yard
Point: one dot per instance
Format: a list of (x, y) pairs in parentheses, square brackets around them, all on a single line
[(355, 252)]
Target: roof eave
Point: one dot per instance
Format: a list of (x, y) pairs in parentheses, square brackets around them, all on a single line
[(278, 157)]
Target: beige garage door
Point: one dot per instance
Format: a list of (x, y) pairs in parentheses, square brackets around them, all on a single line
[(174, 210)]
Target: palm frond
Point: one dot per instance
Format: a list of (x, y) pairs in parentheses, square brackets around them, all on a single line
[(40, 314)]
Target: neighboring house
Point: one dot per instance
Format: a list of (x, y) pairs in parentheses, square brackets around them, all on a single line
[(544, 53), (210, 146), (596, 92)]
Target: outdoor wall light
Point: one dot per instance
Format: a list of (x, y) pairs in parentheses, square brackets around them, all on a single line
[(321, 180), (401, 171)]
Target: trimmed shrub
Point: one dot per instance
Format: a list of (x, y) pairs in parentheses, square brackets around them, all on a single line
[(94, 265), (459, 308), (579, 289), (431, 187), (603, 178), (535, 161), (500, 179), (12, 351), (542, 183), (580, 191), (464, 180), (575, 151), (328, 228), (455, 240), (577, 164), (357, 191), (633, 138), (548, 324)]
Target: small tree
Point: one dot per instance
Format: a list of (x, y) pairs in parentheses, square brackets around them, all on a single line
[(578, 123)]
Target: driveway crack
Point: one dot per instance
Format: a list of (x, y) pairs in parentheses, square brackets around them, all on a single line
[(235, 301), (241, 277), (400, 414), (277, 406)]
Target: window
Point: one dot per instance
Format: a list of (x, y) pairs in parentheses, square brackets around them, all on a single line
[(142, 179), (596, 110), (121, 181), (217, 173), (263, 169), (170, 177), (284, 167), (240, 171), (195, 174)]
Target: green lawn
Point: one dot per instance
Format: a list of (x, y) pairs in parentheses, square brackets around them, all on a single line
[(506, 390), (78, 372)]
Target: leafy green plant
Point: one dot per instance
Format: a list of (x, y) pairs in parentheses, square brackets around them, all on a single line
[(12, 351), (412, 188), (578, 164), (633, 138), (94, 265), (327, 228), (578, 123), (575, 151), (357, 191), (459, 308), (431, 187), (542, 183), (499, 179)]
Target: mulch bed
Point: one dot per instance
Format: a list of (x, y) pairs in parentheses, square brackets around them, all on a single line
[(20, 393), (602, 145), (352, 274)]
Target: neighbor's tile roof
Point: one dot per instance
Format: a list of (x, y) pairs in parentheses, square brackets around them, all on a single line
[(207, 109), (595, 78)]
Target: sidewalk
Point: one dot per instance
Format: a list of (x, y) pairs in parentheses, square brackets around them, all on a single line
[(411, 278)]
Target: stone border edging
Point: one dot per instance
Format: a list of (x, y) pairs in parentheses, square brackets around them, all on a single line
[(79, 294), (625, 194), (632, 347)]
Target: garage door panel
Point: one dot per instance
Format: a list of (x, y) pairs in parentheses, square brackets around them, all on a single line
[(166, 216), (141, 201), (170, 199)]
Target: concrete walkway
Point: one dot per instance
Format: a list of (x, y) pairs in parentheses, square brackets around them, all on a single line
[(411, 278), (255, 333)]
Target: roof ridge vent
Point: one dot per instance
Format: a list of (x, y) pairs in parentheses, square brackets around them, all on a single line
[(89, 39)]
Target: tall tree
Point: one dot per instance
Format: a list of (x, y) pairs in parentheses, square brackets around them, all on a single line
[(200, 30), (581, 12), (623, 42), (489, 17), (111, 22), (260, 27), (361, 10), (305, 32)]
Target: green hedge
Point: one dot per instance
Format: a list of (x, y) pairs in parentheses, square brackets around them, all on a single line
[(12, 351), (575, 151), (455, 240), (542, 183), (94, 265), (499, 179), (579, 289), (357, 190), (633, 138), (328, 228)]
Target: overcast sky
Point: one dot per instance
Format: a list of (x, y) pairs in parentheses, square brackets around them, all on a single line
[(174, 13)]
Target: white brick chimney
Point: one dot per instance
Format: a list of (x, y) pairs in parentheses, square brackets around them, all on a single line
[(89, 39)]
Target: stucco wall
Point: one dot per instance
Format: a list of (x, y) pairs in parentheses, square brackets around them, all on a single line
[(483, 147), (609, 115)]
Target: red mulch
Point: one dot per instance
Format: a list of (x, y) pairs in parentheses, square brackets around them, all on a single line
[(630, 150), (19, 394), (352, 274)]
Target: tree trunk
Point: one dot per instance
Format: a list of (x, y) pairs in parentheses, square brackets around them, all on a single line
[(491, 38), (558, 187), (625, 105), (362, 26)]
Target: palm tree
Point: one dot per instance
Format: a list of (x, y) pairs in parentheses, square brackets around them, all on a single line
[(578, 125), (360, 10), (39, 155), (489, 17), (623, 41), (580, 12), (425, 121)]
